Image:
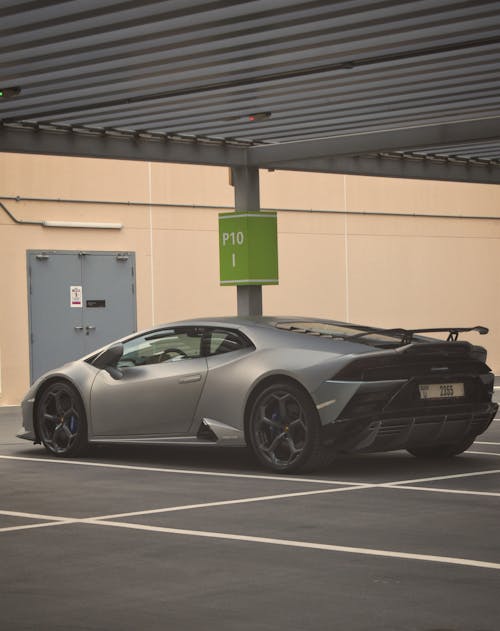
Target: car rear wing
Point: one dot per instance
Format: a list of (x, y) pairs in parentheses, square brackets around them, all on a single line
[(407, 334)]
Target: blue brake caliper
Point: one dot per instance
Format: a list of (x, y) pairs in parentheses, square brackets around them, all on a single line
[(275, 417), (73, 424)]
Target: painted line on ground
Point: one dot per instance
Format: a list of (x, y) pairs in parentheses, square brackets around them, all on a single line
[(185, 507), (105, 465), (298, 544), (52, 520), (441, 477), (11, 513), (342, 483), (247, 500), (402, 485), (440, 490), (482, 442), (61, 522), (262, 540)]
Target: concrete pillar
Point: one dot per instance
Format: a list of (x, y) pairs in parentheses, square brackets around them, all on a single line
[(247, 197)]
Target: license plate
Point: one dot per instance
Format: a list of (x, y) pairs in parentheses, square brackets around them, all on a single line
[(441, 390)]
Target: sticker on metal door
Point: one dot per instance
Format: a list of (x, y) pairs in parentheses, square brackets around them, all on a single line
[(76, 296)]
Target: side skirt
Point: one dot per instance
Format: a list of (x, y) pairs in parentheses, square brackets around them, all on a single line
[(211, 433)]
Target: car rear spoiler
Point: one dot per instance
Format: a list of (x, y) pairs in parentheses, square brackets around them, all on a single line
[(407, 334)]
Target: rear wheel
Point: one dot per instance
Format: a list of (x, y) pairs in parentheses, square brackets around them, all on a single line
[(441, 451), (61, 420), (285, 431)]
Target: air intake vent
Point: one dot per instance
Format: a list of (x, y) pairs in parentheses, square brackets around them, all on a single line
[(206, 433)]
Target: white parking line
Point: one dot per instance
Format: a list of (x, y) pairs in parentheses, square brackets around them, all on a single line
[(247, 500), (182, 471), (105, 521), (433, 489), (441, 477), (44, 525), (251, 539), (342, 483), (298, 544), (11, 513), (52, 520), (479, 442)]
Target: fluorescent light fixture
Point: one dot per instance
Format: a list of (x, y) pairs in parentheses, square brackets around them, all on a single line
[(82, 224)]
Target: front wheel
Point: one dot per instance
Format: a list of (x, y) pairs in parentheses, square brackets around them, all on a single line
[(285, 431), (61, 420), (441, 451)]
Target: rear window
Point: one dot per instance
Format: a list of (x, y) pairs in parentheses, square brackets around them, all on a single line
[(320, 328), (337, 330)]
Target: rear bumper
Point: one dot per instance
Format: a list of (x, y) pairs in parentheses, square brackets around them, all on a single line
[(411, 428)]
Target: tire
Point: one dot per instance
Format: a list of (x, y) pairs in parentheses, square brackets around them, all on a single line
[(434, 452), (61, 421), (284, 430)]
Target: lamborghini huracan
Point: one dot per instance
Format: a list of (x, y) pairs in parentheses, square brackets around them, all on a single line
[(298, 391)]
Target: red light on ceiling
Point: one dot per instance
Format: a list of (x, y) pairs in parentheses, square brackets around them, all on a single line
[(259, 116)]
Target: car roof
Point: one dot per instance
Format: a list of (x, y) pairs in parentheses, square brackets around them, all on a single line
[(269, 321)]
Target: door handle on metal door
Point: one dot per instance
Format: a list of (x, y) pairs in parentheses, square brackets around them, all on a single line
[(190, 379), (88, 328), (78, 327)]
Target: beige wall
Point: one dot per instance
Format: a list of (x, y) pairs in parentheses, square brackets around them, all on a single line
[(389, 271)]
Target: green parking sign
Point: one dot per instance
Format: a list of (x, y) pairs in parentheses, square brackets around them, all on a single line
[(248, 248)]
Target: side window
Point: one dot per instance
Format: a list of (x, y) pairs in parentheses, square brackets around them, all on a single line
[(165, 345), (225, 341)]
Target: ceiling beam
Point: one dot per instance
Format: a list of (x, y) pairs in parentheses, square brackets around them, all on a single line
[(407, 138), (129, 147), (396, 168), (119, 147)]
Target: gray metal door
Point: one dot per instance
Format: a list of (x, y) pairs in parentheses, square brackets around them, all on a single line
[(78, 301)]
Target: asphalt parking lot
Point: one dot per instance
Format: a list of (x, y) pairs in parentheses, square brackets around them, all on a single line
[(200, 538)]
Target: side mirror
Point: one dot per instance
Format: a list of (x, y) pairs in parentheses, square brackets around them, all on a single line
[(109, 357)]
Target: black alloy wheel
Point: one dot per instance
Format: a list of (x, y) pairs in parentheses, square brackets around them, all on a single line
[(61, 421), (284, 429)]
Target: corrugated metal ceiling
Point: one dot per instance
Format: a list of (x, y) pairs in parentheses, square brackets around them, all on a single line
[(260, 72)]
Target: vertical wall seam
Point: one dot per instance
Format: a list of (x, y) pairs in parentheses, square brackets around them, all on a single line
[(346, 253), (151, 245)]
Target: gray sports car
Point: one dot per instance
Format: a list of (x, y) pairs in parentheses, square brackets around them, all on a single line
[(298, 391)]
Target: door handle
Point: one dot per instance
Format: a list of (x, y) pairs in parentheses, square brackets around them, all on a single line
[(90, 327), (190, 379), (78, 328)]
